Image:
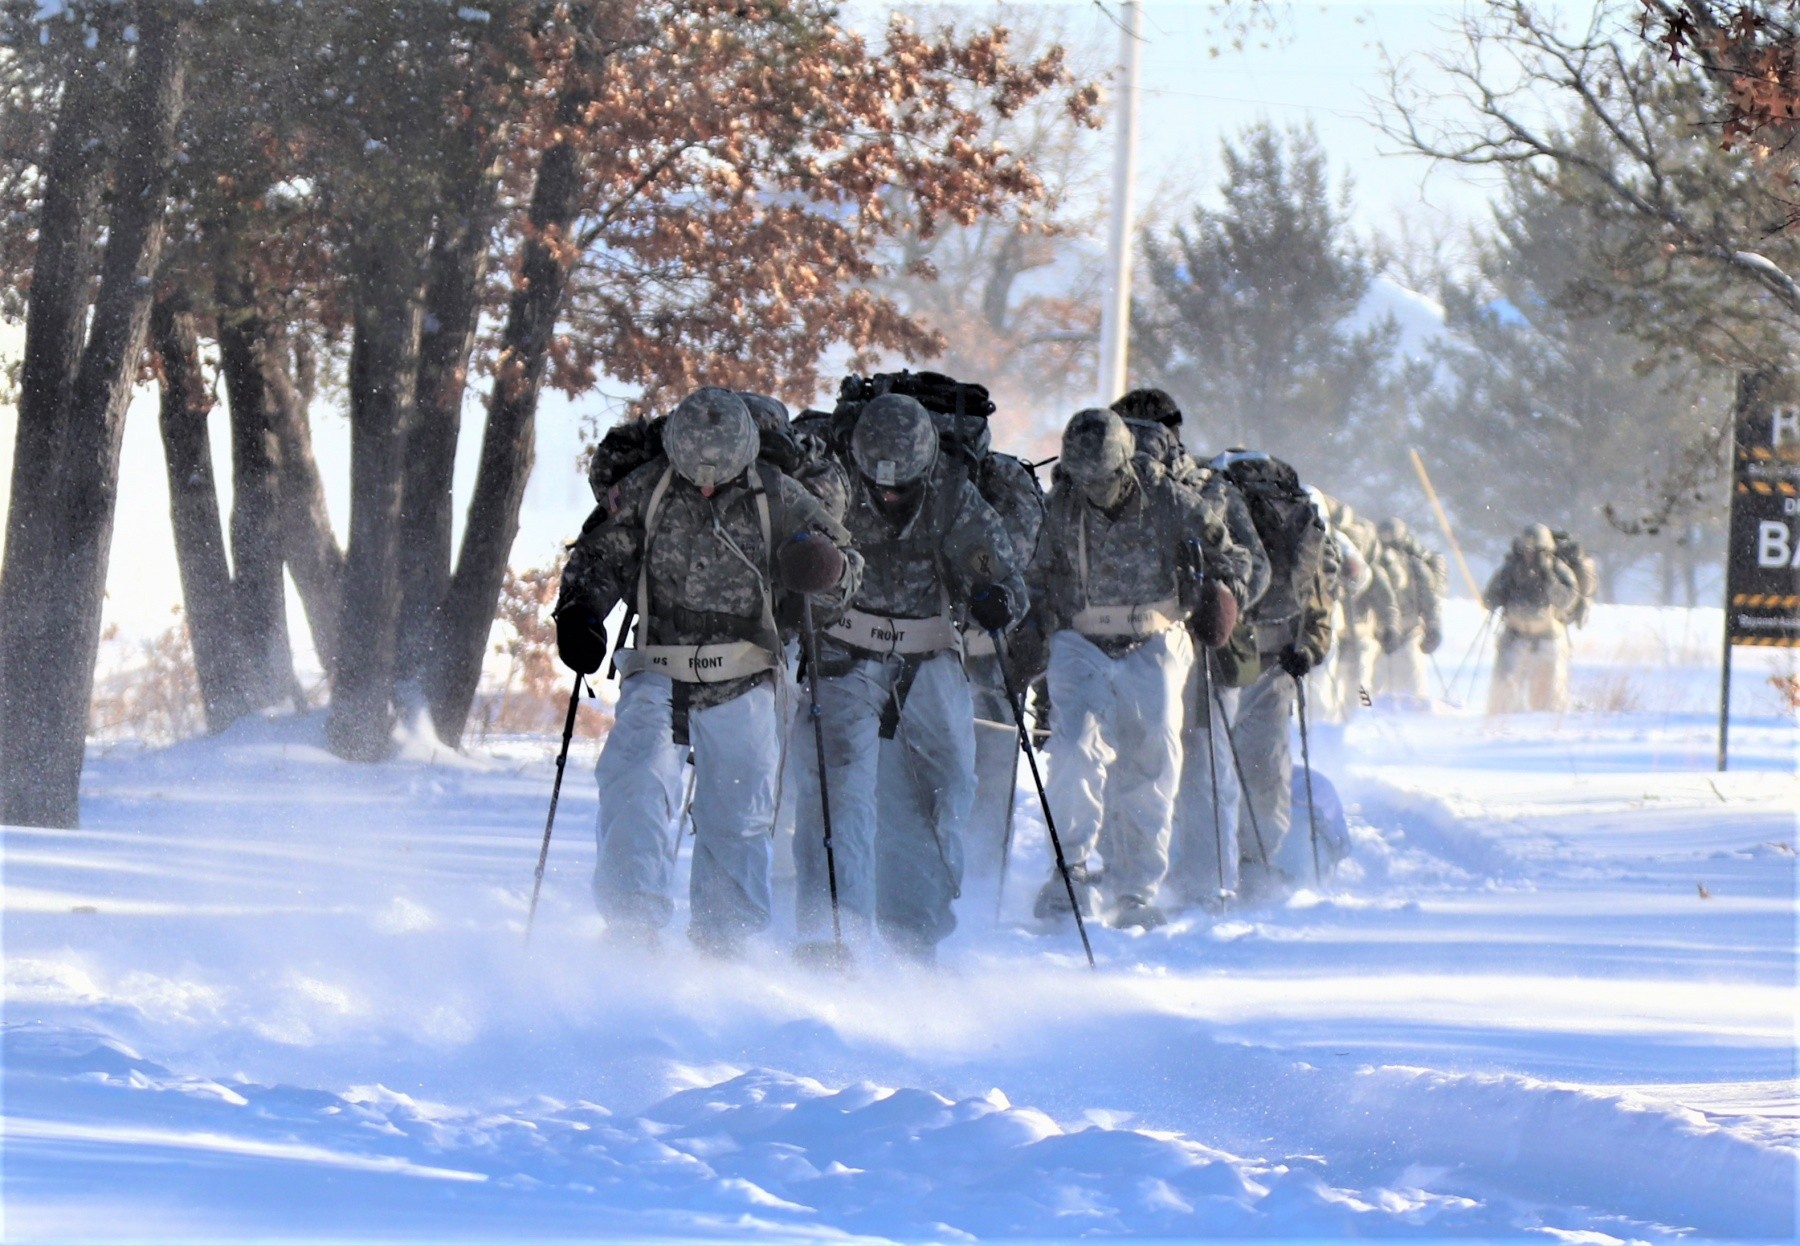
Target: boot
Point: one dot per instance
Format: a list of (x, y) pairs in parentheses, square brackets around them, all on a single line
[(1137, 913), (1053, 897)]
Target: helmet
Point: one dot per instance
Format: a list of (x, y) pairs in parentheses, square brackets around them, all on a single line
[(710, 437), (1095, 446), (1537, 536), (895, 442), (1152, 405), (1391, 530), (770, 414)]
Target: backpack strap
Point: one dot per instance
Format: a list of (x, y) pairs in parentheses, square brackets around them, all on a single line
[(758, 485), (652, 512)]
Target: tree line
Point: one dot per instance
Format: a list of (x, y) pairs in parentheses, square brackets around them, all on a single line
[(421, 206)]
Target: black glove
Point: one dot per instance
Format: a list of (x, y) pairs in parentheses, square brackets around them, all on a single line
[(1296, 661), (990, 607), (1217, 615), (580, 637), (1433, 637), (1392, 642), (810, 563)]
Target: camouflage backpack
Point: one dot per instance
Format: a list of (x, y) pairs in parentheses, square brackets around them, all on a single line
[(1292, 533)]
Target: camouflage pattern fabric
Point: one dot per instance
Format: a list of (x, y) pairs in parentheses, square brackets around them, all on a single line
[(951, 542), (709, 569), (1136, 555), (1007, 485), (1534, 590), (1418, 579)]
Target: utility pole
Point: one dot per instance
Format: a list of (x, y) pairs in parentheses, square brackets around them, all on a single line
[(1115, 315)]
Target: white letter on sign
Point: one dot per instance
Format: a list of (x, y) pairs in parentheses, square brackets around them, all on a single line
[(1785, 426), (1771, 544)]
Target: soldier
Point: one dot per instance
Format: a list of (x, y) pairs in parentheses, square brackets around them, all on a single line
[(705, 540), (1007, 485), (1203, 854), (1417, 576), (1285, 636), (1126, 555), (1370, 613), (1535, 592), (895, 703)]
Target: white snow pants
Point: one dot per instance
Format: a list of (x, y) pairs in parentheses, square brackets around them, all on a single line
[(1357, 651), (1115, 754), (1531, 673), (736, 758), (1265, 710), (897, 806), (1402, 673), (1203, 855), (986, 832)]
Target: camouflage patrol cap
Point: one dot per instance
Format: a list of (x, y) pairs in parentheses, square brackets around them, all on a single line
[(895, 442), (1391, 529), (1537, 536), (770, 414), (711, 438), (1095, 446)]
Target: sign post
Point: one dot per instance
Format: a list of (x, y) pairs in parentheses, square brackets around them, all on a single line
[(1762, 574)]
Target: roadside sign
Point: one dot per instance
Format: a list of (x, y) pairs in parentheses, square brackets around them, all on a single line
[(1762, 572)]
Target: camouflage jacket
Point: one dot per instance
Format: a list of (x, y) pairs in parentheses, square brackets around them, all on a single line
[(1162, 445), (1535, 593), (1417, 576), (1375, 610), (1007, 485), (1139, 555), (711, 576), (935, 556)]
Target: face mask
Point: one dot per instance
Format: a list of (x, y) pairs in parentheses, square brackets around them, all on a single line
[(1105, 492)]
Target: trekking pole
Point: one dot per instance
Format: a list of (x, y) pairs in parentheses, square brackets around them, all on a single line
[(1474, 645), (1312, 811), (1212, 760), (1006, 843), (562, 759), (812, 695), (1237, 768), (1062, 865)]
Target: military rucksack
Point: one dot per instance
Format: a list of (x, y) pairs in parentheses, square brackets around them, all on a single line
[(626, 447), (1587, 575), (1292, 533)]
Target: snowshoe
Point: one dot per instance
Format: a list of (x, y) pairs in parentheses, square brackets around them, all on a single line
[(1053, 897), (824, 956), (1137, 913)]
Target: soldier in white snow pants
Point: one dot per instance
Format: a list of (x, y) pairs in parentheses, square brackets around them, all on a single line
[(1196, 869), (897, 805), (643, 778), (1115, 753)]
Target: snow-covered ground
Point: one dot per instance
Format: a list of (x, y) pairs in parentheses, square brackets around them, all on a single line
[(265, 994)]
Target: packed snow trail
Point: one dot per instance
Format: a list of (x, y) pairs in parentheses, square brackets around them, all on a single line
[(265, 993)]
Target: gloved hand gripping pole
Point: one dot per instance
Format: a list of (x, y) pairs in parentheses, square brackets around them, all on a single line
[(1062, 865), (562, 760)]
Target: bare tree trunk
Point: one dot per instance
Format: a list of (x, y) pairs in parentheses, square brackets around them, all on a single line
[(60, 529), (54, 323), (309, 545), (508, 445), (248, 350), (384, 373), (194, 512), (458, 267)]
